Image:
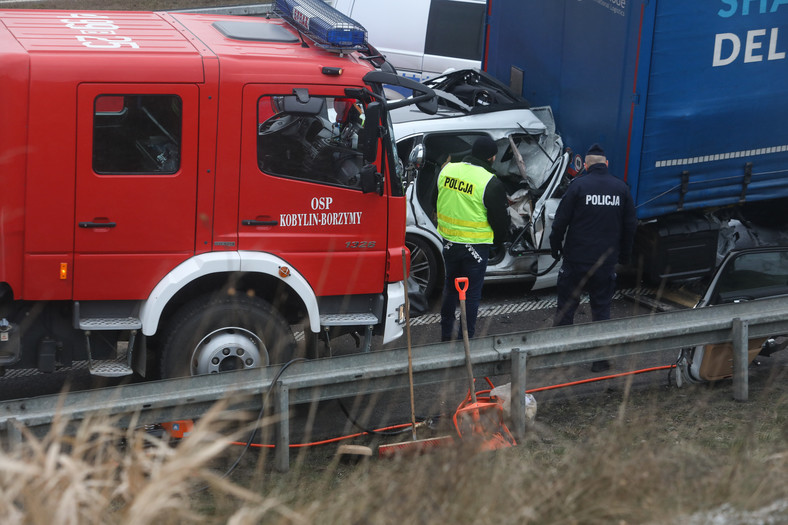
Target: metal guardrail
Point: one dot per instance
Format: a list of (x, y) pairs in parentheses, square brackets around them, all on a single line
[(359, 374)]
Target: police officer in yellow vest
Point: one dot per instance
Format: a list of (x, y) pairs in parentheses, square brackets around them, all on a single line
[(472, 217)]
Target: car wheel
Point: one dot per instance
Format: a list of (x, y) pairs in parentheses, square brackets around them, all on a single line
[(236, 332), (425, 266)]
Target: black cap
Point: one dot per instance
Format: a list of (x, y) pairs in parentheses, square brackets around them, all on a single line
[(595, 150), (484, 148)]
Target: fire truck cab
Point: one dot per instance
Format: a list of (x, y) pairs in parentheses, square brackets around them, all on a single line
[(186, 188)]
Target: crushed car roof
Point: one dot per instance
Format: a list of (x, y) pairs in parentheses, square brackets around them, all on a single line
[(497, 123)]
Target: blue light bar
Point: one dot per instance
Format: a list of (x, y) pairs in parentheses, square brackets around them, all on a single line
[(322, 23)]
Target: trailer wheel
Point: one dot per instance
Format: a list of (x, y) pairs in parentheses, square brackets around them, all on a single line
[(425, 267), (232, 333)]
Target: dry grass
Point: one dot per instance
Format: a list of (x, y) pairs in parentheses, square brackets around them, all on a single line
[(652, 455), (102, 474)]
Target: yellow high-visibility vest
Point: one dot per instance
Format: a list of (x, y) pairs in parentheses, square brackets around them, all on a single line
[(462, 216)]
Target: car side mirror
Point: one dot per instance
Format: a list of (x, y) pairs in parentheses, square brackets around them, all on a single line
[(415, 162), (416, 157)]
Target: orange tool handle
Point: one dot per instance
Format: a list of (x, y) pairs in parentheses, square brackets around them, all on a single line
[(461, 283)]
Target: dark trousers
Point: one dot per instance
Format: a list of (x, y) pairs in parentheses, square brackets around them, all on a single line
[(462, 260), (573, 279)]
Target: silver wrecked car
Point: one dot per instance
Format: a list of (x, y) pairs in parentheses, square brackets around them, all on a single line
[(531, 162)]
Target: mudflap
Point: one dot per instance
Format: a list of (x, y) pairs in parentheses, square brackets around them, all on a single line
[(418, 301)]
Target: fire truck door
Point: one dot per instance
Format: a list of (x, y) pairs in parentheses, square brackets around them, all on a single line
[(300, 193), (135, 187)]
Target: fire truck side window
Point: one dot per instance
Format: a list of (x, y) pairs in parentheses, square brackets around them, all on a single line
[(137, 134), (319, 143)]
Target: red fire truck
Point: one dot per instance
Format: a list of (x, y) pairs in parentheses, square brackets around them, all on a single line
[(184, 189)]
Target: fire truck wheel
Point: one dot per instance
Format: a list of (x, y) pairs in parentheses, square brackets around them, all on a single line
[(424, 265), (233, 333)]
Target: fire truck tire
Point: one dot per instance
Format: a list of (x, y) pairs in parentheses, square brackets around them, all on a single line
[(232, 333)]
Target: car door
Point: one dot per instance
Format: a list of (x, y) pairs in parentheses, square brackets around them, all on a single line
[(742, 276), (300, 193), (136, 181)]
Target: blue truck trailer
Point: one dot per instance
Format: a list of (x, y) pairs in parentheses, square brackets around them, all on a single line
[(688, 98)]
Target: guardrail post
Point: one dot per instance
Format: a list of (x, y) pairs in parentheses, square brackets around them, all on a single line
[(740, 340), (281, 407), (13, 434), (519, 358)]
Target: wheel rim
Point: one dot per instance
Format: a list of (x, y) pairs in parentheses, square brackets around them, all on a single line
[(229, 348), (419, 267)]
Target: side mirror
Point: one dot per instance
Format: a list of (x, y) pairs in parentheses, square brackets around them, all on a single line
[(416, 157), (368, 136), (415, 162), (371, 180), (429, 106), (423, 96)]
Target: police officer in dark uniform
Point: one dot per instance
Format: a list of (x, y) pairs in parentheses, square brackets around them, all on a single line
[(472, 217), (594, 229)]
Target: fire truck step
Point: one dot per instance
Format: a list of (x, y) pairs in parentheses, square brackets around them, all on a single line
[(107, 315), (110, 323), (111, 368), (120, 365), (358, 319)]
